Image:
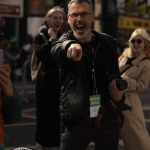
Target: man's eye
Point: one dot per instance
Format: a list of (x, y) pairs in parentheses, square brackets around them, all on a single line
[(75, 15), (84, 14)]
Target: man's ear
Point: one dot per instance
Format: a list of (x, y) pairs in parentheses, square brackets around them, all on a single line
[(68, 18)]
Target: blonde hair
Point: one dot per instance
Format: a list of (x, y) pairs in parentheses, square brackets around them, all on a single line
[(146, 38)]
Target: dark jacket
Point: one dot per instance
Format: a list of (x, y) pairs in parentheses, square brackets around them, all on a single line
[(11, 112), (76, 79), (47, 93), (12, 109)]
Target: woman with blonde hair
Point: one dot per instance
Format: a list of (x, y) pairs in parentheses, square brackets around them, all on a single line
[(134, 64)]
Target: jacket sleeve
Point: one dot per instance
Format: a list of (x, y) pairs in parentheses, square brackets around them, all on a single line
[(142, 82), (42, 48), (59, 51), (12, 109), (115, 64), (112, 46)]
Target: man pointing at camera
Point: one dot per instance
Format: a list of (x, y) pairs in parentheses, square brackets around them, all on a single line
[(85, 59)]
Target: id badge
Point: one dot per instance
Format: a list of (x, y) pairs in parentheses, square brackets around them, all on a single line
[(95, 103)]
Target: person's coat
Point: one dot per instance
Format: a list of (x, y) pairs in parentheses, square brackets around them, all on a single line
[(138, 79)]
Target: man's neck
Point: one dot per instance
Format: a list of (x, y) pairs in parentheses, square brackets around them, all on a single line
[(86, 39)]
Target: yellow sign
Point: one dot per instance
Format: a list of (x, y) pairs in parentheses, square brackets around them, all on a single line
[(127, 22), (130, 6), (142, 8)]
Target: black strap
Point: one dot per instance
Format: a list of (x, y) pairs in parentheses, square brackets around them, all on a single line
[(126, 69), (131, 66)]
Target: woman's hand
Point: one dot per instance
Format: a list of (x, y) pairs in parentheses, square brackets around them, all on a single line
[(5, 81), (52, 33)]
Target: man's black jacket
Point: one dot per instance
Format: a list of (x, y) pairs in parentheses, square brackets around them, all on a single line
[(75, 80)]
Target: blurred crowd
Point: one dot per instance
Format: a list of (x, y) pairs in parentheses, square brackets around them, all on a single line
[(17, 56)]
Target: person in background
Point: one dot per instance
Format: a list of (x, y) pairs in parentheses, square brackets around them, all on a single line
[(10, 102), (25, 51), (14, 50), (6, 46), (81, 54), (137, 57), (9, 58), (25, 54), (47, 81)]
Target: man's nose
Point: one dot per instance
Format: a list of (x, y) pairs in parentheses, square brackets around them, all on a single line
[(79, 17)]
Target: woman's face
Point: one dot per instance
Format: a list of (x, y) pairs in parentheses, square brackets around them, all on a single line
[(56, 21), (138, 45)]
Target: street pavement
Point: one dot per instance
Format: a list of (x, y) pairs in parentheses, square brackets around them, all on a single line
[(21, 134)]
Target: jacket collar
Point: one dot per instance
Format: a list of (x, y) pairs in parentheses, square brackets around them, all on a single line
[(138, 59)]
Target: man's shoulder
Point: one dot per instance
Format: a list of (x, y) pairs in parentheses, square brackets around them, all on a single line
[(67, 35), (103, 35)]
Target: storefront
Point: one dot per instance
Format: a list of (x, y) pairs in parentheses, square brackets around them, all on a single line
[(132, 14)]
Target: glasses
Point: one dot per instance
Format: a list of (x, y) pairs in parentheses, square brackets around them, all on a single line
[(83, 15), (138, 41)]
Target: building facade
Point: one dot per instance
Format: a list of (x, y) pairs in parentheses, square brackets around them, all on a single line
[(114, 17)]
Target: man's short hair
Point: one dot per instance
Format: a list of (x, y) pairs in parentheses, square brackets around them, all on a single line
[(81, 1)]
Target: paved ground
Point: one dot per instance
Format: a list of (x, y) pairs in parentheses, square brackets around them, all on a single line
[(21, 134)]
